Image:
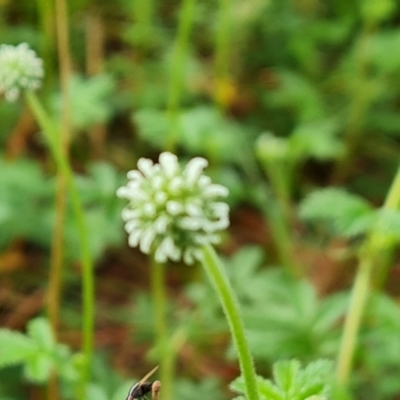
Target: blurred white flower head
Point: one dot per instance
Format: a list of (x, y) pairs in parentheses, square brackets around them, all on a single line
[(20, 69), (172, 211)]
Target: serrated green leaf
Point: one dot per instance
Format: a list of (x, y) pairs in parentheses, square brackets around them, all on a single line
[(266, 388), (285, 372), (39, 330), (315, 378), (291, 382), (15, 347), (350, 214), (39, 367), (331, 309), (313, 389), (269, 391), (297, 92), (317, 139), (153, 125), (91, 103)]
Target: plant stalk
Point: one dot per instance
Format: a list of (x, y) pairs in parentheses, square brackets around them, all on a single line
[(358, 300), (226, 295), (370, 257), (51, 132), (158, 286)]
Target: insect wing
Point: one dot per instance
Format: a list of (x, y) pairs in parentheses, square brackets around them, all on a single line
[(142, 387)]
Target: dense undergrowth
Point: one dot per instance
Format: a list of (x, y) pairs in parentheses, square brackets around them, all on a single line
[(295, 105)]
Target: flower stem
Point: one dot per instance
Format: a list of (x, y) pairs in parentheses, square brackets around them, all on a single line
[(370, 257), (222, 286), (51, 131), (160, 300), (283, 240), (359, 297)]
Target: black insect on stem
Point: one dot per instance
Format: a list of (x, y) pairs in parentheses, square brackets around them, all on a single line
[(142, 388)]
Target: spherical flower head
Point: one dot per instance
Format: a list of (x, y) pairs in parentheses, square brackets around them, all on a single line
[(20, 69), (173, 211)]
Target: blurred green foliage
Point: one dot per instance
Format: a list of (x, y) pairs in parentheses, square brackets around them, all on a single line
[(311, 100)]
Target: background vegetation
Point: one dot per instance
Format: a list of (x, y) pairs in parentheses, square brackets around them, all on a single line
[(295, 103)]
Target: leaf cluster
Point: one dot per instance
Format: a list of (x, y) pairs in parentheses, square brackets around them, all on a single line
[(38, 352), (292, 382), (350, 215), (27, 208)]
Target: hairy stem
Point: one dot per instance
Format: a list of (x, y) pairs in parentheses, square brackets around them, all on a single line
[(226, 295)]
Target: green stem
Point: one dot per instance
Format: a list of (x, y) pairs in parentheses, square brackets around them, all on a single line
[(219, 280), (50, 131), (278, 176), (47, 44), (358, 300), (160, 300), (178, 67), (392, 201), (278, 211), (370, 257), (282, 238)]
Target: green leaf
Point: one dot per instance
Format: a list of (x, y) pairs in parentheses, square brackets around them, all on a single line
[(15, 347), (317, 139), (39, 367), (291, 382), (153, 125), (330, 311), (298, 93), (91, 103), (382, 44), (285, 373), (350, 214), (268, 390), (315, 379), (40, 331)]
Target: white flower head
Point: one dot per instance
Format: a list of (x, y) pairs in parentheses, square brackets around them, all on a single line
[(173, 210), (20, 69)]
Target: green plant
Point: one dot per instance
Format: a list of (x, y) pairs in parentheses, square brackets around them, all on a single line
[(176, 214), (291, 382), (26, 70), (381, 232), (39, 353)]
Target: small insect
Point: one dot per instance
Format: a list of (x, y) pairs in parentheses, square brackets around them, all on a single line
[(143, 387)]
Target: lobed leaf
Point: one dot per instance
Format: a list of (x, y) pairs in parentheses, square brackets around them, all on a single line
[(15, 347), (350, 214)]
